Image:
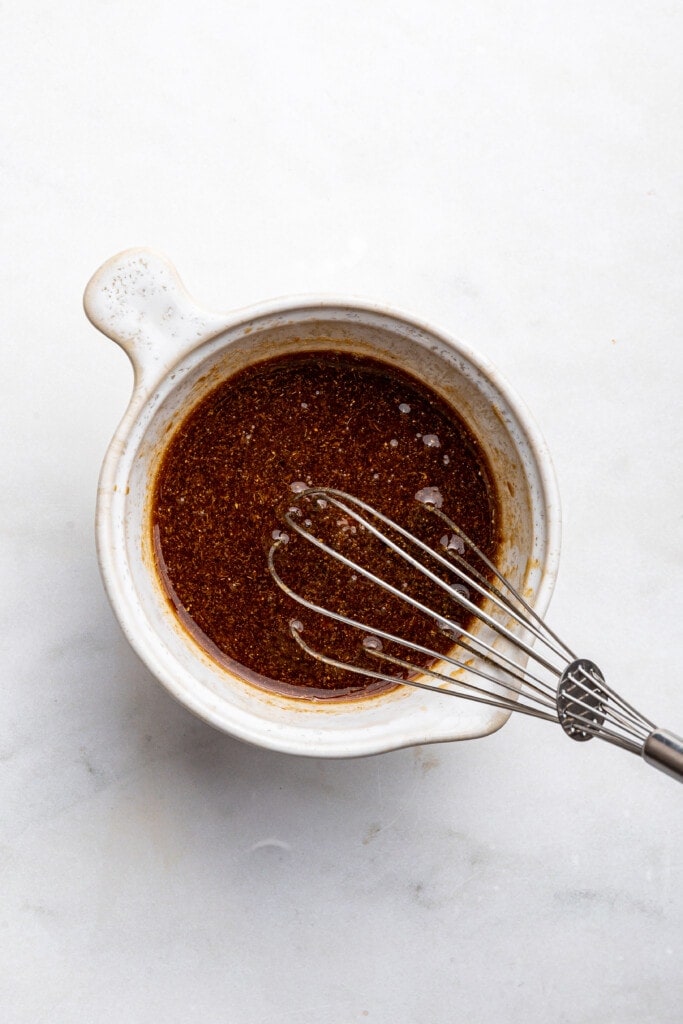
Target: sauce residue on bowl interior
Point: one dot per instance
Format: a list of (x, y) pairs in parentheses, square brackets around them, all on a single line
[(234, 466)]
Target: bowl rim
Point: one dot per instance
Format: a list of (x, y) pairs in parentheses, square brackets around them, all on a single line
[(315, 742)]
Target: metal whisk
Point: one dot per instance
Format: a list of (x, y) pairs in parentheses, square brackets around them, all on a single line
[(483, 664)]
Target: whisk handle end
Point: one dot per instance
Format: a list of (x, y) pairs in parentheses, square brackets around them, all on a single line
[(664, 751)]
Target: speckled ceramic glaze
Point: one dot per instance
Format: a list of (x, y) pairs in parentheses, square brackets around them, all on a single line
[(179, 353)]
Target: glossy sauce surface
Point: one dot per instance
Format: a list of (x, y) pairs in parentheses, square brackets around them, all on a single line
[(235, 466)]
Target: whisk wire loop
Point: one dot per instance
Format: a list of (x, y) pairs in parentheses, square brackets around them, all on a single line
[(486, 592), (503, 637), (485, 651), (420, 649)]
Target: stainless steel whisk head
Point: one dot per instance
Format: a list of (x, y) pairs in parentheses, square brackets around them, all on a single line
[(511, 659)]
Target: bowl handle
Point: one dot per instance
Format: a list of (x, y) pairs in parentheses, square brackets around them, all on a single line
[(138, 300)]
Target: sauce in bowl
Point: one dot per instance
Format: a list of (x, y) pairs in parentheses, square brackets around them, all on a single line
[(236, 464)]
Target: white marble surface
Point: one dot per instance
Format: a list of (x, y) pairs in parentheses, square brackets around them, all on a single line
[(511, 171)]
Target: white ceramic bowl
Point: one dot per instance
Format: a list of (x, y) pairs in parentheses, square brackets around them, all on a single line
[(179, 353)]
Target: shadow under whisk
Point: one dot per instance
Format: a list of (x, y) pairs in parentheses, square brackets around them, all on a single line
[(488, 644)]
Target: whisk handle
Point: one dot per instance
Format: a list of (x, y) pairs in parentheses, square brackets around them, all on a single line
[(664, 750)]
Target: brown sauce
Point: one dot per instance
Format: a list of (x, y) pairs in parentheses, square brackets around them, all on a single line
[(225, 481)]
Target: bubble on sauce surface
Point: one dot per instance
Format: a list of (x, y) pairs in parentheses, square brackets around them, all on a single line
[(280, 536), (345, 526), (431, 441), (393, 443), (430, 496), (296, 625), (404, 407), (298, 486), (446, 460), (453, 543), (448, 629), (372, 643)]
